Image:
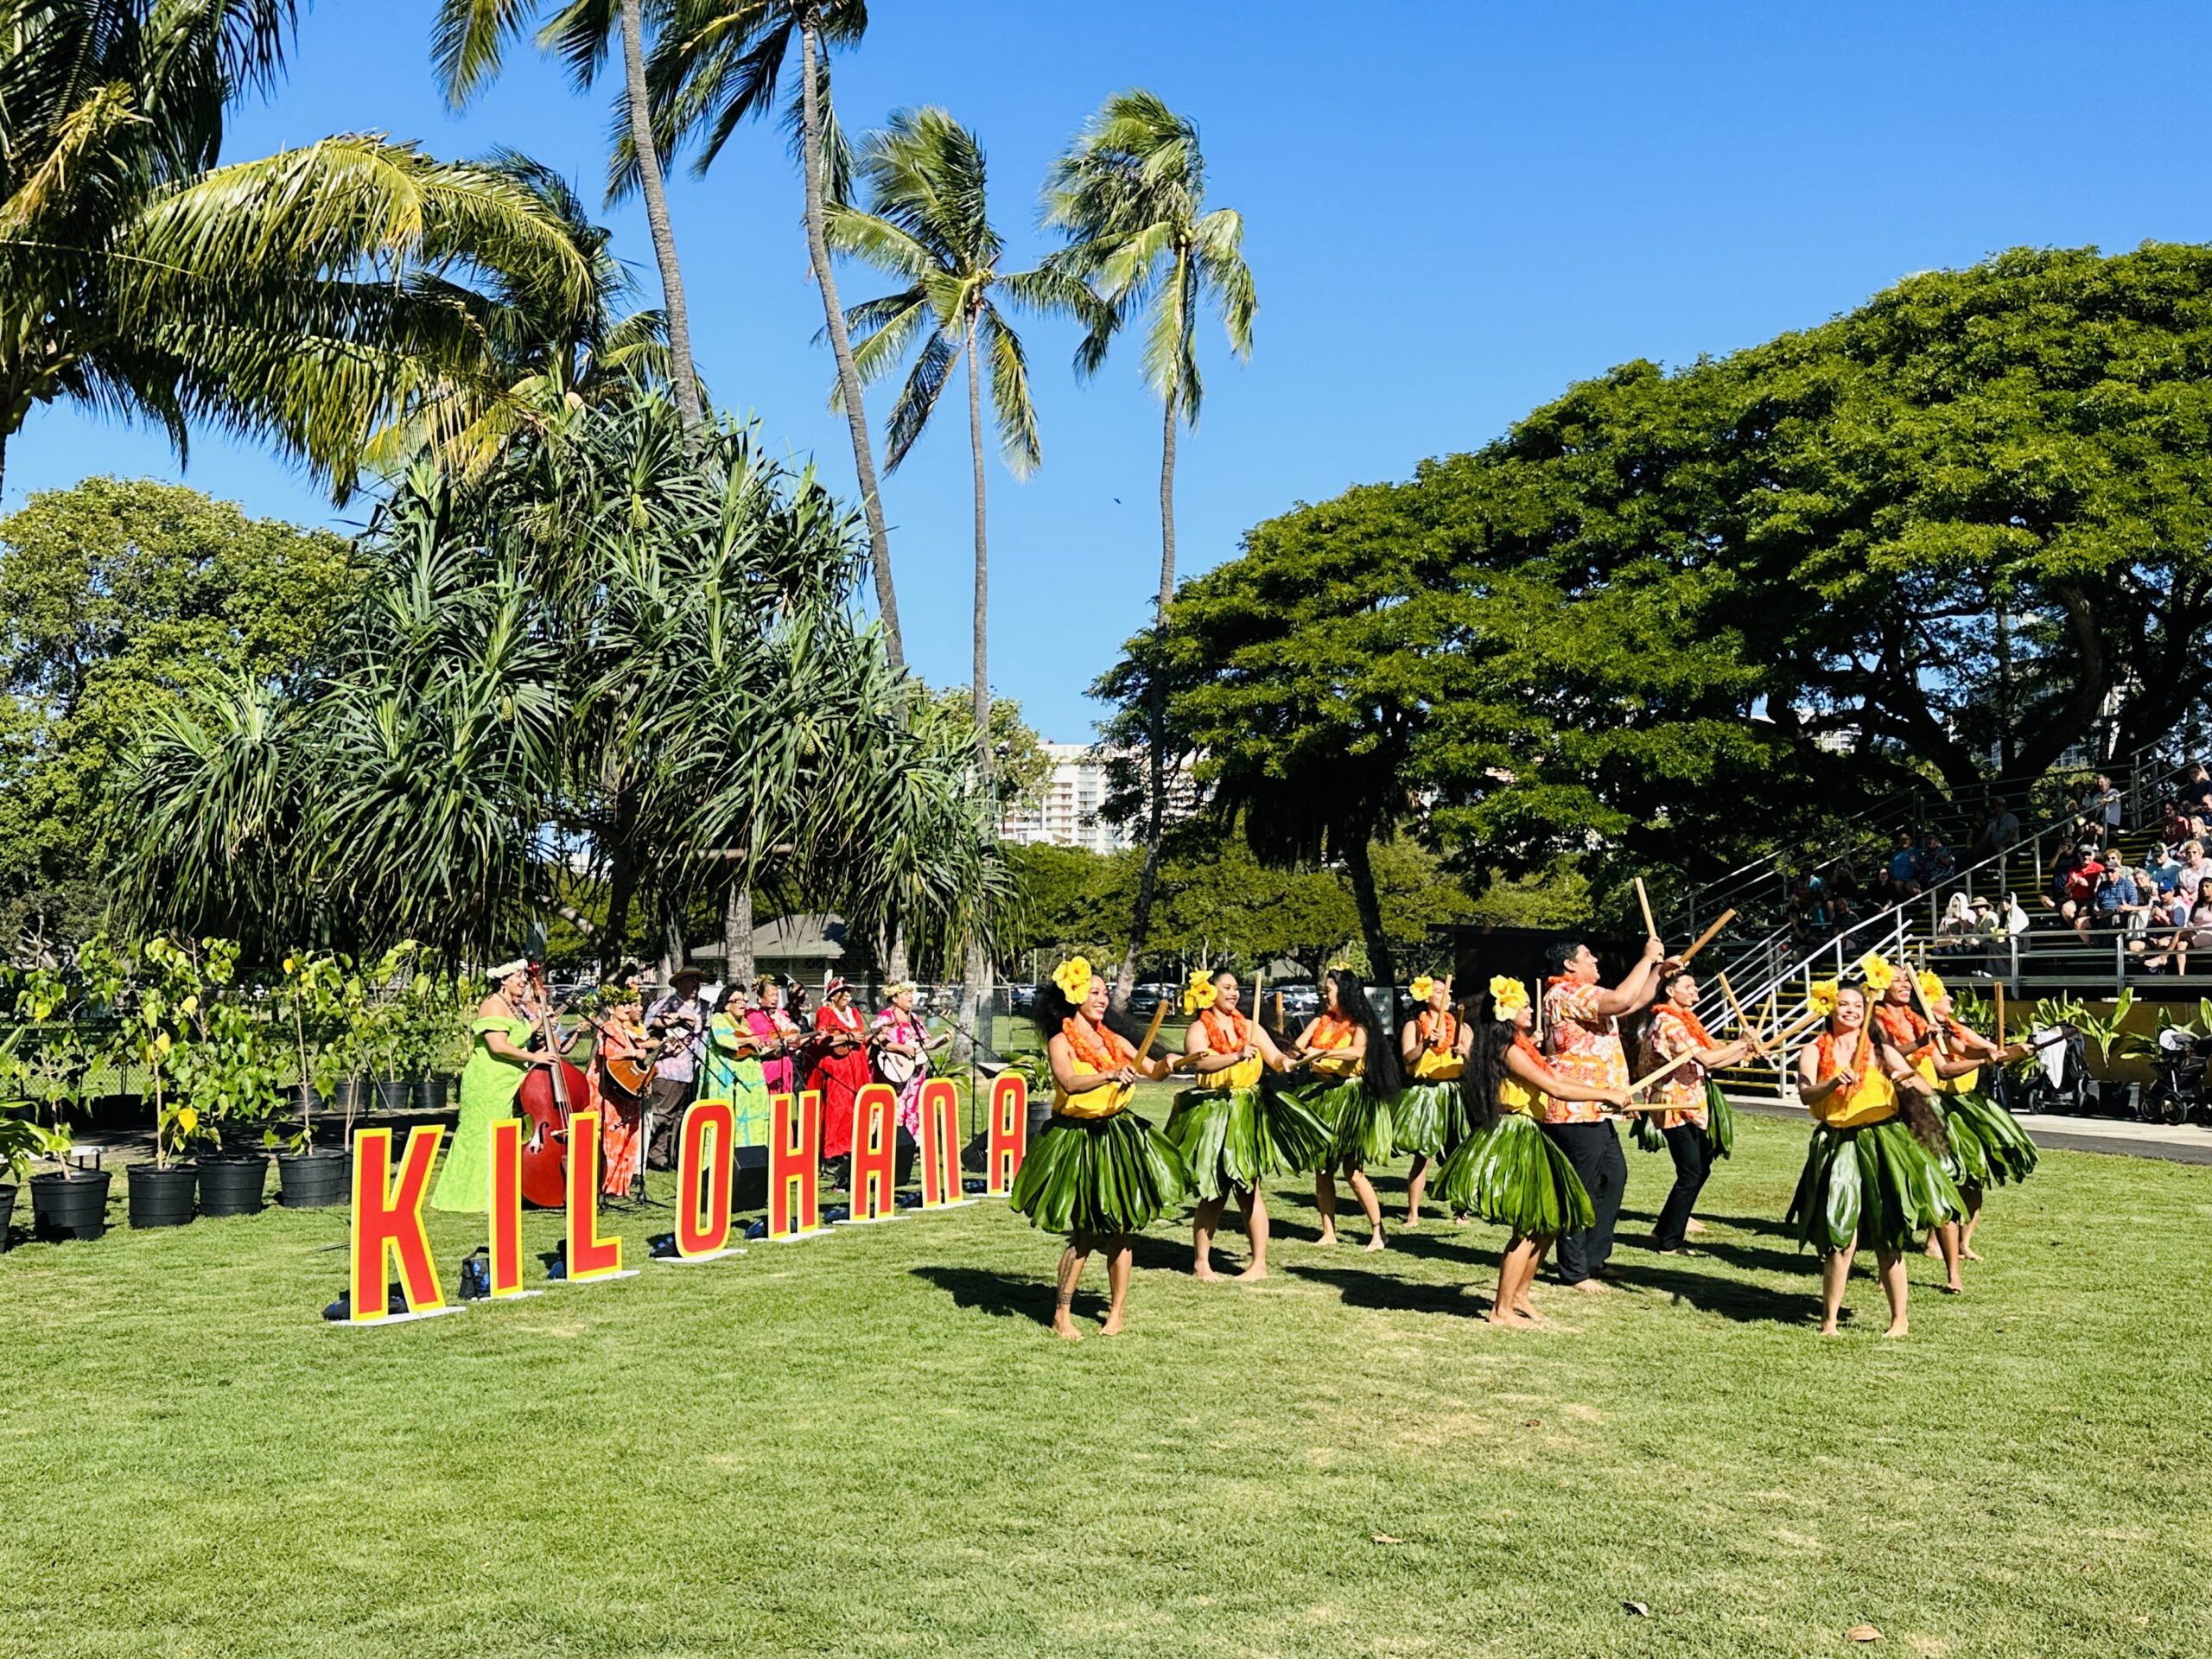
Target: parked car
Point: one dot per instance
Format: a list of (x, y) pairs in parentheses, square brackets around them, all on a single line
[(1300, 1002), (1022, 999), (1146, 997)]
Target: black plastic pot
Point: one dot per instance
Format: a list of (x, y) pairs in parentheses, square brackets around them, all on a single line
[(161, 1198), (312, 1180), (431, 1095), (69, 1204), (350, 1094), (233, 1184), (7, 1209), (307, 1098), (393, 1094)]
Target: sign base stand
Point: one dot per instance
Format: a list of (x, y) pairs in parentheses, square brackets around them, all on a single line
[(513, 1295), (870, 1221), (402, 1318), (799, 1237), (601, 1278), (950, 1204), (694, 1261)]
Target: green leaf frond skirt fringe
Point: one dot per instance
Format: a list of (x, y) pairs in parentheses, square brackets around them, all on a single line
[(1359, 1119), (1114, 1175), (1874, 1184), (1429, 1117), (1510, 1173), (1232, 1138), (1720, 1125), (1989, 1146)]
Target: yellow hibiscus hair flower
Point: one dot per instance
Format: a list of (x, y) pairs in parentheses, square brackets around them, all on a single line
[(1821, 996), (1073, 977), (1199, 993), (1507, 997), (1876, 971)]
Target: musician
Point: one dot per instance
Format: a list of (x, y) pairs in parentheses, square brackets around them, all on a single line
[(840, 1065), (622, 1115), (778, 1036), (899, 1051), (679, 1020), (1582, 1040), (499, 1056), (730, 1070)]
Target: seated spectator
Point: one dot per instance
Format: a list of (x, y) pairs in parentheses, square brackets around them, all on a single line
[(1904, 869), (2100, 805), (1956, 932), (2000, 830), (2163, 868), (2196, 868), (2194, 934), (2063, 865), (2116, 898), (2197, 791), (1843, 879), (2176, 823), (1936, 864), (2079, 903)]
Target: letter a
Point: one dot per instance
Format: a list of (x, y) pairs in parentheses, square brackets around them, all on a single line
[(1009, 1132), (393, 1221)]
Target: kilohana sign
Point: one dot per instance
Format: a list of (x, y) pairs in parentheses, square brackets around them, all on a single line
[(388, 1231)]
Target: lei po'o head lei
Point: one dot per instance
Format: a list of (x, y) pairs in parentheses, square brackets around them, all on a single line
[(1931, 987), (1821, 996), (1507, 998), (1199, 993), (1876, 971), (1422, 988), (1073, 977)]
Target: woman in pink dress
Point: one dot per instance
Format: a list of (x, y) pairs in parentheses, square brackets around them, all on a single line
[(841, 1068), (900, 1050), (778, 1035)]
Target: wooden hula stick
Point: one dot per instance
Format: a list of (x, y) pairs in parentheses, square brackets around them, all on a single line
[(1705, 937), (1158, 1016), (1643, 903), (2000, 1013), (1758, 1045), (1928, 1013)]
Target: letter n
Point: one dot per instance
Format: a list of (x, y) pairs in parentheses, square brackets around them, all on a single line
[(940, 1143)]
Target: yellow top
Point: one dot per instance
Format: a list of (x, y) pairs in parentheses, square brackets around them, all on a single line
[(1964, 1084), (1872, 1100), (1093, 1103), (1514, 1096), (1327, 1034), (1430, 1066), (1242, 1075)]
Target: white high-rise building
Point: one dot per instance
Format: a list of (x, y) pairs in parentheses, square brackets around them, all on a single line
[(1067, 815)]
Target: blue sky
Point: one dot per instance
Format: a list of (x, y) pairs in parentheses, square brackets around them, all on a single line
[(1454, 209)]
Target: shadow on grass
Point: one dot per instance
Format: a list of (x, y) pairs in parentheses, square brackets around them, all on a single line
[(1365, 1287), (1005, 1296), (1716, 1292)]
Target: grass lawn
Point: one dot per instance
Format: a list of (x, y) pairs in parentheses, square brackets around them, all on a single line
[(870, 1444)]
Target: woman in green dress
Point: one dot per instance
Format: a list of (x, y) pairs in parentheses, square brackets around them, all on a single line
[(498, 1059), (730, 1069)]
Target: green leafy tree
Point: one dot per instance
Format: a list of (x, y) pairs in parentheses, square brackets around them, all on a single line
[(114, 597), (468, 41), (1129, 196), (310, 297)]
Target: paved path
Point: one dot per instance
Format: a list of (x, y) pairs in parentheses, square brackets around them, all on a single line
[(2184, 1143)]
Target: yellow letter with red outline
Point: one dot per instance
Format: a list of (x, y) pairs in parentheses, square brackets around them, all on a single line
[(387, 1217), (703, 1179), (590, 1256), (1009, 1132), (794, 1155)]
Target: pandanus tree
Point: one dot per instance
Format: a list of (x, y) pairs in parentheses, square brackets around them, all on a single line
[(469, 39), (309, 298), (1129, 196), (718, 63), (926, 223), (611, 661)]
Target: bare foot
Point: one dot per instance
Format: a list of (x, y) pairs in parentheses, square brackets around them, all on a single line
[(1527, 1310), (1955, 1289), (1589, 1284), (1693, 1225), (1374, 1240), (1828, 1329), (1257, 1270), (1900, 1328), (1063, 1328), (1411, 1221), (1512, 1318), (1969, 1254), (1204, 1274), (1933, 1249), (1112, 1327), (1328, 1236)]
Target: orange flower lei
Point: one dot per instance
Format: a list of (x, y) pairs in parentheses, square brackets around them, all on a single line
[(1231, 1041), (1521, 1041), (1906, 1028), (1097, 1047), (1330, 1031), (1428, 1033), (1826, 1066)]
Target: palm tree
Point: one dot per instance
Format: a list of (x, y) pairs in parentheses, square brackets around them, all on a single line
[(927, 224), (718, 62), (304, 297), (1129, 195), (466, 44)]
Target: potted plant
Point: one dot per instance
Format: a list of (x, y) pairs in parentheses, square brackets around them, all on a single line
[(152, 1031), (66, 1202), (437, 1028), (22, 1136), (312, 1002), (227, 1073)]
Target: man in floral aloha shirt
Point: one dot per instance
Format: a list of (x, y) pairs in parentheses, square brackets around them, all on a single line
[(1582, 1040)]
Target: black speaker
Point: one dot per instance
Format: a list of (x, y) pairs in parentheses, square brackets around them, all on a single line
[(749, 1183), (902, 1169)]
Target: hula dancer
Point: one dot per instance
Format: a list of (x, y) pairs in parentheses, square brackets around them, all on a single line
[(1698, 1125), (1868, 1178), (1903, 1028), (1358, 1074), (1989, 1146), (1232, 1128), (1429, 1115), (1582, 1040), (1099, 1173), (1509, 1171)]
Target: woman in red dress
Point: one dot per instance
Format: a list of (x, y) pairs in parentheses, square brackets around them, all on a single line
[(841, 1069)]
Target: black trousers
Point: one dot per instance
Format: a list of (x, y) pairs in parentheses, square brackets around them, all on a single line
[(669, 1097), (1594, 1149), (1693, 1163)]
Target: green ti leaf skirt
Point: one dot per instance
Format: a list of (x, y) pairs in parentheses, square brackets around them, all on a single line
[(1989, 1146), (1429, 1117), (1359, 1121), (1231, 1139), (1511, 1171), (1105, 1175), (1873, 1185)]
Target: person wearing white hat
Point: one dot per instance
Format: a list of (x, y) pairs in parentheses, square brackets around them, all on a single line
[(498, 1059), (679, 1018)]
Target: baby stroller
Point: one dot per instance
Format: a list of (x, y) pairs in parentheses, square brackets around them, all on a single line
[(2177, 1091), (2059, 1080)]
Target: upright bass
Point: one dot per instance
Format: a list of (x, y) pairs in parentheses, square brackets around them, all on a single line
[(549, 1094)]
